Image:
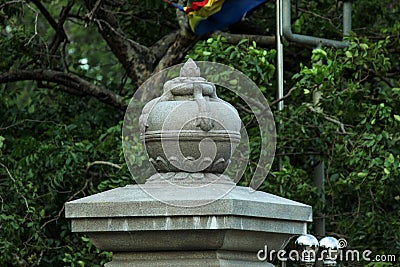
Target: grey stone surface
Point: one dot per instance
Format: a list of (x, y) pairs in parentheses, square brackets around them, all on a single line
[(184, 240), (204, 258), (188, 128), (133, 201), (143, 231)]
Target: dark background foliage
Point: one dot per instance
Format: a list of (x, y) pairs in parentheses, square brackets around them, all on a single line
[(69, 68)]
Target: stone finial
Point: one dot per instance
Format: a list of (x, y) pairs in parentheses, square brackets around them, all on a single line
[(189, 129), (190, 69)]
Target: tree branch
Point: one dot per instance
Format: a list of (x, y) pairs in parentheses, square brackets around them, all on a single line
[(283, 97), (72, 83), (261, 40), (101, 162), (161, 46), (46, 14), (184, 41), (380, 76), (326, 117), (137, 60), (60, 32), (181, 17), (60, 36)]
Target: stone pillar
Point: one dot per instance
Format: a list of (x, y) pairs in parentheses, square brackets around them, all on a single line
[(189, 213), (142, 231)]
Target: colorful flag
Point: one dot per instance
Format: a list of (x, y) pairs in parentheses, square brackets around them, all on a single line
[(212, 15)]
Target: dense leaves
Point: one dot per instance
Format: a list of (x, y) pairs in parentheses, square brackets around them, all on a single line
[(353, 128), (356, 122), (59, 144), (46, 162)]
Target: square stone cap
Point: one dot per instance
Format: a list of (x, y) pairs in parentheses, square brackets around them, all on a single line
[(134, 201)]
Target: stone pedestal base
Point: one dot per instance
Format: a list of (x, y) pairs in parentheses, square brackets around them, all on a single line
[(142, 231), (187, 258)]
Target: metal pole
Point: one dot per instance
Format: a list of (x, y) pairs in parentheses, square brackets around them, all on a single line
[(319, 180), (346, 17), (319, 177), (279, 52), (279, 65)]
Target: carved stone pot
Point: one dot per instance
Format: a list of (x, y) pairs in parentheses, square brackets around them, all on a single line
[(188, 128)]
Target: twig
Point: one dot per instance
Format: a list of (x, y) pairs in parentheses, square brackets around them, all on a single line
[(263, 108), (40, 257), (36, 33), (319, 16), (36, 22), (12, 2), (315, 14), (244, 108), (328, 118), (2, 203), (46, 14), (23, 121), (297, 153), (384, 79), (16, 186), (284, 97), (92, 13), (100, 162), (63, 207)]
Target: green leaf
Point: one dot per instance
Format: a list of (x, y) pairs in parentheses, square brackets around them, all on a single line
[(1, 141), (364, 46), (243, 41), (233, 82), (362, 174), (390, 159), (31, 109), (349, 54), (396, 117)]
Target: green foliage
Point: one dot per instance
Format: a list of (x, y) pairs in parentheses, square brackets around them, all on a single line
[(52, 144), (255, 62), (17, 40), (353, 128), (46, 152), (147, 21), (84, 256)]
